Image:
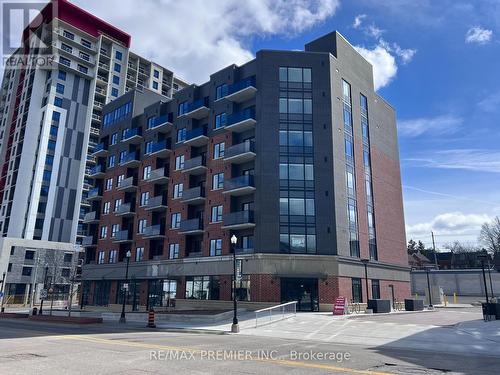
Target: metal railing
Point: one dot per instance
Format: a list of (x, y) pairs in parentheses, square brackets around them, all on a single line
[(275, 313)]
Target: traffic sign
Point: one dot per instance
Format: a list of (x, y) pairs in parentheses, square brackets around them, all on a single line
[(51, 290), (43, 293), (239, 270), (1, 294)]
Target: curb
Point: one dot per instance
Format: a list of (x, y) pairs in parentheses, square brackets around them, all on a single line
[(193, 330)]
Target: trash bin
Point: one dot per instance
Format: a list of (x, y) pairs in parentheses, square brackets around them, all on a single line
[(379, 305), (34, 312), (489, 311), (414, 304)]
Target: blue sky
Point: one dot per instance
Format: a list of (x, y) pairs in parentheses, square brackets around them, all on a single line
[(434, 61)]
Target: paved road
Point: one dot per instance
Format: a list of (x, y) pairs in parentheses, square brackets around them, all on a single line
[(41, 348)]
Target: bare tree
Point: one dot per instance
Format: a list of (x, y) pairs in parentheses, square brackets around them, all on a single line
[(490, 235), (458, 247)]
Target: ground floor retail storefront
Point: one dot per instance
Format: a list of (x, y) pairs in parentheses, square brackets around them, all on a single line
[(311, 294), (313, 281)]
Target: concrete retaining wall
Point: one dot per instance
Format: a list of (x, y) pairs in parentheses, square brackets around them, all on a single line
[(461, 282)]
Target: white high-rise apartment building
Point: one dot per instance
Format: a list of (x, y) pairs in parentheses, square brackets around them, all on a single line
[(50, 120)]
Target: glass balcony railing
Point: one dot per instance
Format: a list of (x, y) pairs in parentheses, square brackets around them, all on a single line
[(191, 225), (196, 162), (246, 114), (157, 203), (195, 133), (161, 120), (100, 148), (243, 84), (239, 149), (130, 133), (161, 146), (196, 105), (122, 236), (126, 183), (193, 194), (154, 231), (94, 193), (239, 183), (239, 218), (98, 169), (128, 158)]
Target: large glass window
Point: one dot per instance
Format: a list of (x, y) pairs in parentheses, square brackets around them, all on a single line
[(203, 287), (357, 293), (215, 247)]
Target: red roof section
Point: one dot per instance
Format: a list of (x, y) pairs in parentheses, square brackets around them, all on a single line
[(79, 18)]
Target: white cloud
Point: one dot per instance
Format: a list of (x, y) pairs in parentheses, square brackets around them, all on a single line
[(358, 20), (384, 64), (477, 160), (196, 38), (440, 125), (478, 35), (374, 31), (491, 103), (450, 223)]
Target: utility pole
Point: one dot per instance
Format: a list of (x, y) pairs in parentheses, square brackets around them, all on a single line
[(434, 248)]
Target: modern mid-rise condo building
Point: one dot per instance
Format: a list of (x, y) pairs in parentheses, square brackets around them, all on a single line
[(293, 153)]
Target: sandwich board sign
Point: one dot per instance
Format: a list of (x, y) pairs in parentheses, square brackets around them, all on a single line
[(340, 306)]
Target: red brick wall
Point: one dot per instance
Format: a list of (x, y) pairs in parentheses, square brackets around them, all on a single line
[(328, 290), (388, 201), (265, 288)]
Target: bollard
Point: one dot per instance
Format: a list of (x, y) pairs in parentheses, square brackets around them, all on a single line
[(151, 319), (445, 300), (454, 298), (34, 311)]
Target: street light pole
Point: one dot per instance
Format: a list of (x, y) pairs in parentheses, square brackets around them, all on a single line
[(3, 291), (489, 275), (429, 287), (365, 263), (484, 280), (235, 328), (122, 316)]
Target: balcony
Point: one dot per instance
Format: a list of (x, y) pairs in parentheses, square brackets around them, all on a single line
[(242, 91), (158, 203), (122, 236), (191, 227), (239, 186), (132, 135), (103, 79), (97, 171), (241, 121), (128, 184), (94, 194), (158, 176), (197, 109), (160, 149), (196, 137), (162, 123), (240, 153), (89, 241), (239, 220), (154, 231), (100, 150), (91, 217), (125, 210), (193, 196), (195, 166), (130, 160)]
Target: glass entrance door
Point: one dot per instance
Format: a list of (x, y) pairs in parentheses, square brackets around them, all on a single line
[(302, 290)]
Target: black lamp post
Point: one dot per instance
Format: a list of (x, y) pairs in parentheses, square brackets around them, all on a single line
[(365, 263), (483, 257), (122, 316), (235, 328), (3, 291), (427, 270)]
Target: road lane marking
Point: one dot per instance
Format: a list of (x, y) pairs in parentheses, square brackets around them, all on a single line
[(283, 362)]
